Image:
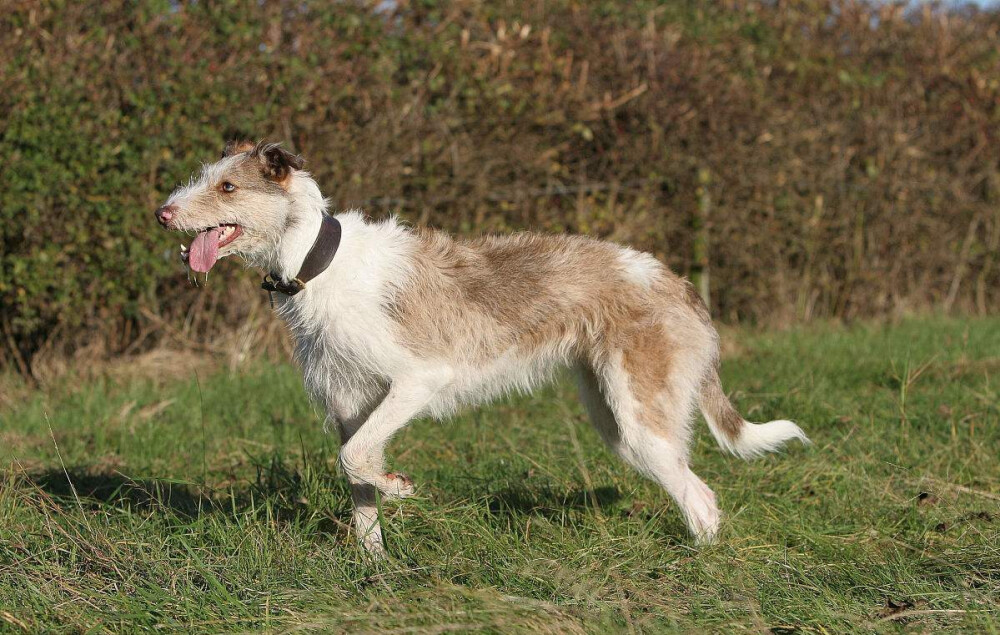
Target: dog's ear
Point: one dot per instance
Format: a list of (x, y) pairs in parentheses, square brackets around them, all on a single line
[(276, 162), (236, 146)]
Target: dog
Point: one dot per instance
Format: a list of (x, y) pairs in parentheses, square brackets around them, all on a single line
[(395, 323)]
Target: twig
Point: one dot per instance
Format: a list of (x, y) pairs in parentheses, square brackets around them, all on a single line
[(608, 104), (965, 490), (16, 353), (578, 449), (62, 464), (963, 261), (902, 615), (10, 619)]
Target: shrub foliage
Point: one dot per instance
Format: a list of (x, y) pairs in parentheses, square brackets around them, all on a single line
[(847, 154)]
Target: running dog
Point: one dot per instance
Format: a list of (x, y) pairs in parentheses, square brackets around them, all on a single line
[(392, 323)]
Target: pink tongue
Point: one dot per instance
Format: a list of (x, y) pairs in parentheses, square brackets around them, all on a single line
[(205, 250)]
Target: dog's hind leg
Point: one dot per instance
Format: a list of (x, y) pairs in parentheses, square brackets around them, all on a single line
[(643, 412)]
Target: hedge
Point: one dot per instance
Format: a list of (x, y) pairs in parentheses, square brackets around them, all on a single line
[(819, 158)]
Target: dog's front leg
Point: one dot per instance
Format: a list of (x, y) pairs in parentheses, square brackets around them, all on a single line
[(362, 456), (349, 417), (366, 524)]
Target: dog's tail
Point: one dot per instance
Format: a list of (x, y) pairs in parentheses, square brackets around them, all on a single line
[(734, 433)]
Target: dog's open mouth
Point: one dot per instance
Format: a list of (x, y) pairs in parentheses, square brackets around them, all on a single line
[(204, 250)]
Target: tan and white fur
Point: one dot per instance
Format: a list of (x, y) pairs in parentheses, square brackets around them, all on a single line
[(410, 323)]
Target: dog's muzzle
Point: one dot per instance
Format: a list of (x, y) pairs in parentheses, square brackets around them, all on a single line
[(165, 214)]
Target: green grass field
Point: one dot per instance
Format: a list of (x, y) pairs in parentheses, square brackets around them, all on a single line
[(212, 502)]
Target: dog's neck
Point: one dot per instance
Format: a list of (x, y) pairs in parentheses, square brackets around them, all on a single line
[(304, 222)]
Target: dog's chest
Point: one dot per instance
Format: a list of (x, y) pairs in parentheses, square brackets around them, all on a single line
[(343, 347)]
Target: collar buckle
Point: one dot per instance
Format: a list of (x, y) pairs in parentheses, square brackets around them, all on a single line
[(273, 283)]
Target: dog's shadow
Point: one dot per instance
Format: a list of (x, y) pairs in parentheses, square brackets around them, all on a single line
[(84, 486), (511, 504), (89, 489), (290, 490), (548, 501)]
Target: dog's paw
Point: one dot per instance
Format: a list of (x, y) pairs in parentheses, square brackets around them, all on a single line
[(391, 484), (395, 485)]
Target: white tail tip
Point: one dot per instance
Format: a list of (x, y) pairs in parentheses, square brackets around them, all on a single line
[(757, 439)]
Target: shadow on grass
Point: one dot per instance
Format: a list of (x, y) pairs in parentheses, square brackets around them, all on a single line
[(548, 501), (582, 507), (96, 489), (304, 493)]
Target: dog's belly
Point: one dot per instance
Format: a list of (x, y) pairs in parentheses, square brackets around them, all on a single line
[(348, 365), (511, 373)]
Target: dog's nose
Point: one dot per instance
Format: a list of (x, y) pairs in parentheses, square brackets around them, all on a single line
[(165, 214)]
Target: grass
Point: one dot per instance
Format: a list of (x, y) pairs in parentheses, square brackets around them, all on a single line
[(212, 503)]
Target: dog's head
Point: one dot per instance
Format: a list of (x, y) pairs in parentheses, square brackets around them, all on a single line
[(240, 204)]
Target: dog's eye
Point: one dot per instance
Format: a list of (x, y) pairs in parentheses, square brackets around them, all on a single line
[(228, 187)]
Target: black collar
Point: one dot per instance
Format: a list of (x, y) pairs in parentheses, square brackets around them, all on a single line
[(317, 260)]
